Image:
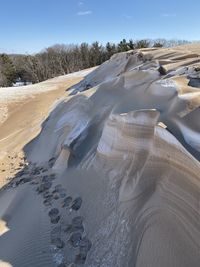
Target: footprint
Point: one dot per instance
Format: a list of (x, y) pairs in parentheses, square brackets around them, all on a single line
[(58, 243), (56, 196), (77, 224), (62, 194), (80, 258), (54, 217), (67, 228), (67, 201), (43, 187), (51, 162), (55, 220), (85, 244), (77, 220), (75, 239), (76, 203), (47, 202), (58, 187), (52, 176), (53, 212)]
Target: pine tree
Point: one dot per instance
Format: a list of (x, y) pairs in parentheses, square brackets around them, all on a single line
[(131, 44), (158, 44), (142, 44), (8, 70), (123, 46), (110, 50)]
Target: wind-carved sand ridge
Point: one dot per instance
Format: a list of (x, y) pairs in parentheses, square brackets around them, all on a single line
[(113, 176)]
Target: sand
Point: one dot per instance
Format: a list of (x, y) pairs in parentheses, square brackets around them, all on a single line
[(26, 108), (109, 174)]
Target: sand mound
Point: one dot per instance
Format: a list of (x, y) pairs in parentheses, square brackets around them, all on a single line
[(112, 179)]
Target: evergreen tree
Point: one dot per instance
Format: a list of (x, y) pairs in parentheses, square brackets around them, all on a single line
[(142, 44), (110, 50), (131, 44), (96, 52), (7, 71), (158, 44), (123, 46)]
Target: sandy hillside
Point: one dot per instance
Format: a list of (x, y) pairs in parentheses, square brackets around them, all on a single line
[(22, 110), (111, 178)]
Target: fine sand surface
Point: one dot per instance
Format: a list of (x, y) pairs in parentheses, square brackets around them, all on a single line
[(22, 110), (105, 174)]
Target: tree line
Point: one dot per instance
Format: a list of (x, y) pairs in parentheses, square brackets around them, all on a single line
[(63, 59)]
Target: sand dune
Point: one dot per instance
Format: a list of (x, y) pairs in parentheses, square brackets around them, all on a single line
[(23, 111), (111, 178)]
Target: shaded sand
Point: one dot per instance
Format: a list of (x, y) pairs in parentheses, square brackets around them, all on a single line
[(26, 108), (113, 177)]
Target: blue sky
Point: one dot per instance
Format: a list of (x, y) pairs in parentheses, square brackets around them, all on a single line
[(31, 25)]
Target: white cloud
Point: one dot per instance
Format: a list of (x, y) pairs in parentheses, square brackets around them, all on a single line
[(80, 3), (168, 15), (84, 13)]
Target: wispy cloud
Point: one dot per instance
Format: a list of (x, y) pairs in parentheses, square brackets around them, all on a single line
[(168, 15), (80, 3), (84, 13)]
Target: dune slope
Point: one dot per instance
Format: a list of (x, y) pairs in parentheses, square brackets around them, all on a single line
[(113, 177)]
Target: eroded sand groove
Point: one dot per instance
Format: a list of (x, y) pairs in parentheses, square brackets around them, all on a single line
[(113, 176)]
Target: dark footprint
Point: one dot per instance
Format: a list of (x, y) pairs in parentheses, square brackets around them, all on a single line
[(34, 182), (60, 191), (55, 220), (56, 196), (76, 203), (45, 179), (47, 202), (52, 176), (68, 228), (80, 258), (58, 187), (48, 185), (26, 180), (77, 221), (62, 194), (43, 187), (67, 201), (84, 246), (53, 212), (75, 239), (51, 162), (77, 224), (54, 217), (47, 195), (79, 229), (58, 243)]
